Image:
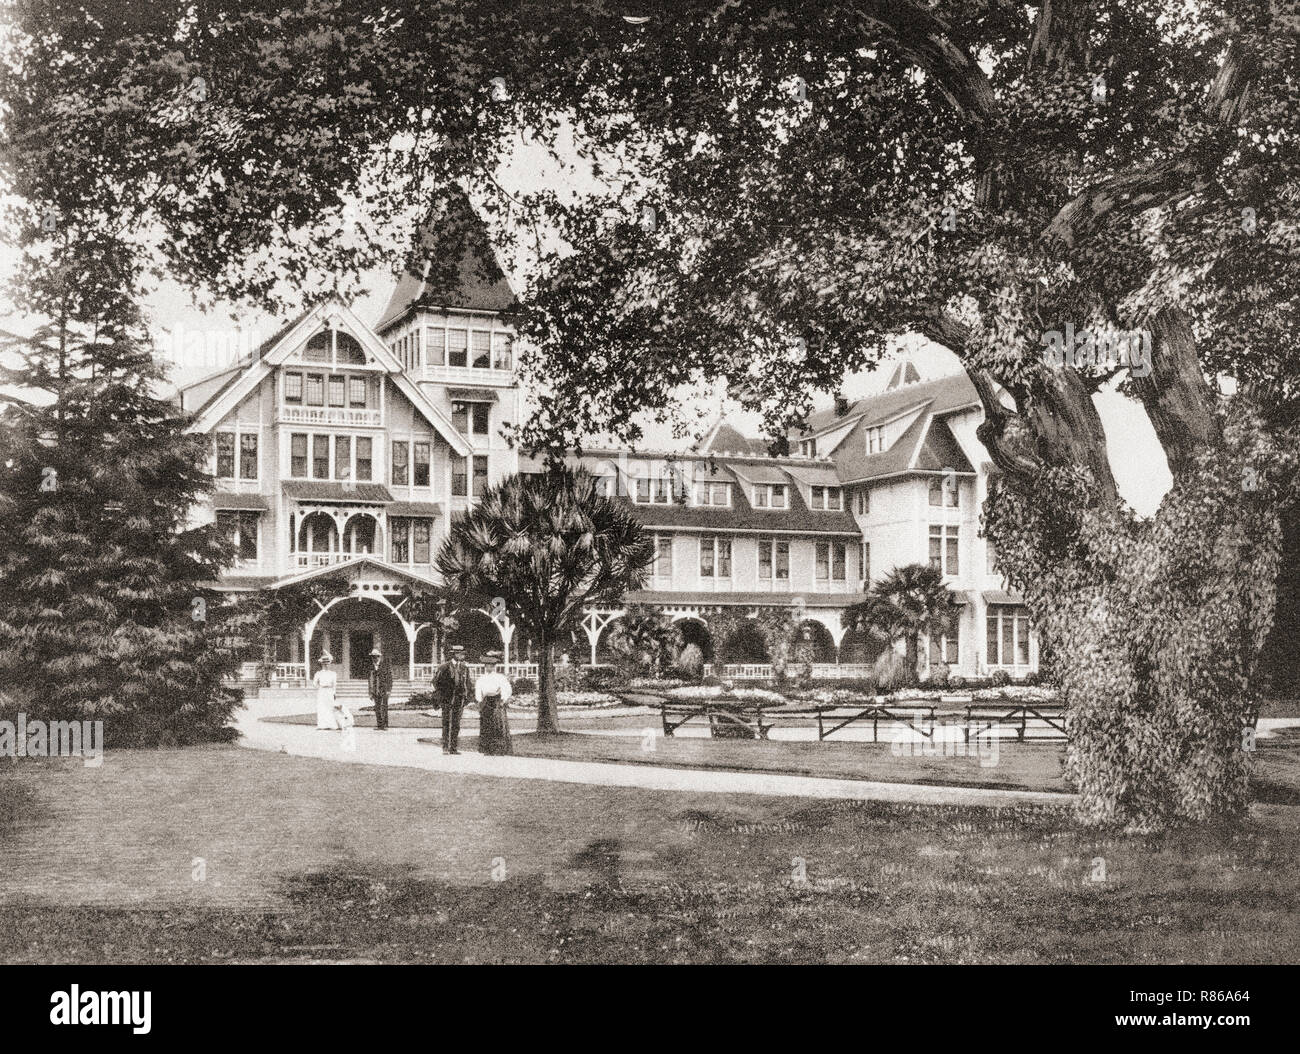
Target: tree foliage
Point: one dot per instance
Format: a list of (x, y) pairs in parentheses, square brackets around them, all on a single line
[(905, 604), (547, 545)]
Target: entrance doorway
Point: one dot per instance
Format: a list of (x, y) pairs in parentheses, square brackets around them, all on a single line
[(360, 643)]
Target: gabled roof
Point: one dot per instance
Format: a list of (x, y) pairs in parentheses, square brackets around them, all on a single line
[(927, 445), (344, 568), (943, 395), (471, 279), (292, 337), (722, 438)]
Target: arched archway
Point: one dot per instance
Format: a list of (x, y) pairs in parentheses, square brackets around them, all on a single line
[(318, 539), (695, 630), (350, 627), (476, 633), (744, 643), (813, 638), (362, 534), (860, 648)]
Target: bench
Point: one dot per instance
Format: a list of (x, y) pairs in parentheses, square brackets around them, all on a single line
[(915, 717), (729, 720), (991, 715)]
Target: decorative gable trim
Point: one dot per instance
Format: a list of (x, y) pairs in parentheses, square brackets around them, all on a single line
[(336, 313)]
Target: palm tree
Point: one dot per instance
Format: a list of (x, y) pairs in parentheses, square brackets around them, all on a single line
[(906, 603), (548, 545)]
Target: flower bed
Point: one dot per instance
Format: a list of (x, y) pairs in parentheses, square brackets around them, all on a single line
[(564, 698)]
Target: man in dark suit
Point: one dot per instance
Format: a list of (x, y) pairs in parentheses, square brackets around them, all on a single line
[(381, 687), (451, 685)]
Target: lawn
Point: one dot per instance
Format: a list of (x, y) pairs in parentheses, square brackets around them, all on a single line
[(222, 854)]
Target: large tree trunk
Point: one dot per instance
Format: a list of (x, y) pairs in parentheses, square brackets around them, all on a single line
[(548, 721)]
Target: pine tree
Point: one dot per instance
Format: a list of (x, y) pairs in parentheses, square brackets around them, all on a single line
[(104, 614)]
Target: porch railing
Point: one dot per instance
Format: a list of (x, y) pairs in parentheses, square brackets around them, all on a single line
[(423, 671)]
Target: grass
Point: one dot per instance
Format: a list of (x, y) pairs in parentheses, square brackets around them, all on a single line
[(309, 860)]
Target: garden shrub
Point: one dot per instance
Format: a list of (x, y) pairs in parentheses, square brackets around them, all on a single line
[(426, 700), (523, 686), (1000, 679), (690, 663)]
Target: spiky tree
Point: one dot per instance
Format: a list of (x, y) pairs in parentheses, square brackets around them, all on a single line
[(905, 604), (548, 545)]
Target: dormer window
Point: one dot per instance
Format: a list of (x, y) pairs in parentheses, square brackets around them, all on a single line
[(875, 439), (829, 499), (808, 447), (659, 491), (771, 496), (713, 494)]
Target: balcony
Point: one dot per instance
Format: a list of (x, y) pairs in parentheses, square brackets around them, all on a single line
[(467, 375), (330, 415)]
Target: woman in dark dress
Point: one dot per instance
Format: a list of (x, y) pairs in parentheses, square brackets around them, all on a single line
[(492, 690)]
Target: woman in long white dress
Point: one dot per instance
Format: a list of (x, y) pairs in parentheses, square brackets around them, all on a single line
[(326, 681), (492, 690)]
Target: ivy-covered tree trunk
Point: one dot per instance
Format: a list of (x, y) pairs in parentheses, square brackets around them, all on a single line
[(1156, 626)]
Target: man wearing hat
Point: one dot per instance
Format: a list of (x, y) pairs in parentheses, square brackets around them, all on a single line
[(451, 685), (381, 687)]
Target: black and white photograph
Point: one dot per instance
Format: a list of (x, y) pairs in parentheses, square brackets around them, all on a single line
[(720, 482)]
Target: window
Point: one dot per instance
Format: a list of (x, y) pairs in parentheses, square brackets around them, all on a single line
[(226, 455), (864, 501), (990, 557), (293, 388), (435, 345), (943, 548), (663, 556), (318, 348), (470, 418), (480, 476), (342, 457), (715, 557), (248, 455), (401, 463), (298, 455), (808, 447), (364, 460), (773, 559), (827, 498), (713, 494), (1008, 635), (502, 351), (401, 541), (357, 391), (338, 390), (864, 562), (943, 490), (457, 345), (420, 535), (875, 440), (607, 485), (654, 491), (946, 647), (320, 457), (481, 349), (420, 464), (315, 389), (459, 478), (348, 350), (770, 496), (831, 560), (241, 528)]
